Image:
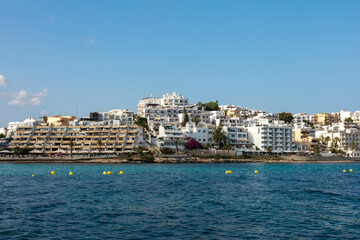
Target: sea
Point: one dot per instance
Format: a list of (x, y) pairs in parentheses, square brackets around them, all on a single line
[(180, 201)]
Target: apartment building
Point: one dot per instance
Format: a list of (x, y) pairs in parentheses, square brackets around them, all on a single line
[(303, 118), (59, 120), (305, 139), (237, 137), (275, 137), (173, 100), (343, 136), (52, 139), (170, 136), (326, 118), (113, 117), (201, 132)]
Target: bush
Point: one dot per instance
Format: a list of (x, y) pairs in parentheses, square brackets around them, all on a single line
[(193, 144), (149, 159), (167, 151)]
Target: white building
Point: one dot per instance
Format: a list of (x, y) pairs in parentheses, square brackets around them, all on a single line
[(237, 137), (203, 134), (117, 117), (170, 136), (278, 138), (168, 100), (12, 126), (343, 136), (303, 118)]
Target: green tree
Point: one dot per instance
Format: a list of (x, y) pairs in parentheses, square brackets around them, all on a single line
[(2, 135), (99, 143), (209, 106), (228, 147), (45, 119), (309, 123), (185, 118), (286, 117), (139, 150), (71, 144), (196, 120), (141, 121), (316, 150), (219, 136), (177, 146), (348, 120), (352, 145), (207, 146), (335, 143), (268, 149)]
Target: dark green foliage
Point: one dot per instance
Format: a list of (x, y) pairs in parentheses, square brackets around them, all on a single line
[(269, 149), (348, 120), (209, 106), (286, 117), (2, 135), (309, 123), (316, 150), (141, 121), (219, 136), (139, 150), (21, 151), (167, 151), (185, 118)]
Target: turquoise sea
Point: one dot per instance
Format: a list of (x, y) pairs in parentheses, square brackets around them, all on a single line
[(180, 201)]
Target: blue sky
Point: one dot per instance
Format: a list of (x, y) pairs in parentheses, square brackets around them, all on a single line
[(297, 56)]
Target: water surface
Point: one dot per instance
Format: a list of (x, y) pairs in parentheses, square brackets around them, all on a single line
[(180, 201)]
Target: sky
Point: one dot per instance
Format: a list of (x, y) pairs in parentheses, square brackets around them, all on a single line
[(74, 57)]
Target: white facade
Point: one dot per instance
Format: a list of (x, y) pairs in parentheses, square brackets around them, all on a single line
[(169, 136), (168, 100), (302, 118), (174, 99), (202, 134), (348, 135), (237, 136), (278, 138), (12, 126), (117, 117)]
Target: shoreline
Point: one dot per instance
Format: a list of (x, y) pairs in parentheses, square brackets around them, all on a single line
[(172, 160)]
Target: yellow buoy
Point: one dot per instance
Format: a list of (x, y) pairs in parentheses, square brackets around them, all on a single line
[(53, 173), (121, 172), (351, 170), (256, 171), (33, 175), (344, 170), (104, 172), (228, 172), (70, 173), (109, 172)]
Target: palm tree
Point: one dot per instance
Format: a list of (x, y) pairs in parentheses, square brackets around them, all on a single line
[(177, 146), (268, 149), (196, 120), (45, 118), (99, 143), (71, 147), (219, 135), (336, 142), (185, 118), (228, 147), (326, 141)]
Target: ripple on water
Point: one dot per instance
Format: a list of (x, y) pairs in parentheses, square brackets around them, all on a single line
[(188, 201)]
